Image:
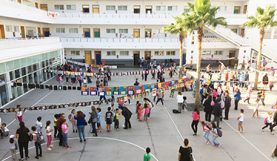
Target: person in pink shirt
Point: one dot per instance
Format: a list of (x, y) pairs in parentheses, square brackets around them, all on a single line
[(65, 133), (140, 111), (195, 121), (146, 111)]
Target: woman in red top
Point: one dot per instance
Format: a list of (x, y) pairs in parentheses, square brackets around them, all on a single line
[(195, 121)]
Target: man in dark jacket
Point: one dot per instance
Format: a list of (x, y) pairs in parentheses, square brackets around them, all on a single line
[(208, 108), (217, 111), (227, 105), (274, 121), (127, 115)]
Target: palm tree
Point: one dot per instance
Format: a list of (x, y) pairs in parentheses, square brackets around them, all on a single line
[(200, 13), (177, 28), (263, 18)]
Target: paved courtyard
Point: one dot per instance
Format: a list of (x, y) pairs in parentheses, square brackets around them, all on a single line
[(164, 133)]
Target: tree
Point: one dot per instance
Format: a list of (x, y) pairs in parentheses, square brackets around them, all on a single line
[(177, 28), (264, 18), (200, 13)]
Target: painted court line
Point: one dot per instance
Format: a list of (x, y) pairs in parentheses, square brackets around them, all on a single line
[(249, 142), (105, 138)]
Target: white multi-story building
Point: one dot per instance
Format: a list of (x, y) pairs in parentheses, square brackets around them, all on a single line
[(123, 31)]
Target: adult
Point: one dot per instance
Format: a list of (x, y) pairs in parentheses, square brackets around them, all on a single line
[(265, 80), (93, 120), (217, 111), (237, 97), (81, 123), (23, 137), (19, 113), (185, 152), (227, 105), (208, 108), (160, 97), (274, 154), (59, 126), (195, 121), (180, 101), (71, 118), (127, 114)]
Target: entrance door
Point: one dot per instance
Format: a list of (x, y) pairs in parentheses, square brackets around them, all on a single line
[(88, 57), (148, 33), (97, 56), (44, 7), (85, 8), (96, 33), (147, 55), (46, 32), (232, 58), (137, 9), (36, 4), (136, 58), (95, 9), (148, 9), (23, 34), (136, 33), (2, 32), (86, 32)]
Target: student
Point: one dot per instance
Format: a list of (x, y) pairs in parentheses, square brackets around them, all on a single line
[(215, 135), (195, 121), (49, 131), (13, 147), (185, 152), (116, 119), (268, 121), (160, 97), (139, 111), (256, 109), (19, 113), (5, 131), (147, 156), (93, 120), (64, 129), (146, 111), (241, 119), (99, 119), (72, 120), (81, 123), (237, 97), (37, 142), (206, 130), (180, 101), (22, 136), (108, 118), (274, 154), (39, 125), (112, 102), (56, 117)]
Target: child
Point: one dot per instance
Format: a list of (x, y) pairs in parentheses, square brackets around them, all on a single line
[(241, 119), (72, 120), (49, 135), (112, 102), (137, 107), (116, 119), (147, 156), (19, 114), (99, 119), (5, 130), (146, 112), (64, 128), (206, 130), (140, 111), (108, 118), (36, 140), (13, 147), (256, 109)]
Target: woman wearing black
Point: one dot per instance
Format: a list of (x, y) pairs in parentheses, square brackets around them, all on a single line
[(23, 137), (208, 108), (185, 152)]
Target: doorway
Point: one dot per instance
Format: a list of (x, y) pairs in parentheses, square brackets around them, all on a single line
[(95, 9), (148, 33), (137, 9), (85, 8), (39, 32), (232, 58), (97, 56), (86, 32), (44, 7), (45, 32), (36, 4), (147, 55), (22, 29), (136, 33), (96, 32), (148, 9), (136, 58), (88, 57), (2, 32)]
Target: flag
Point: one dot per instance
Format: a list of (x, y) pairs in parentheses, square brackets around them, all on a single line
[(93, 91)]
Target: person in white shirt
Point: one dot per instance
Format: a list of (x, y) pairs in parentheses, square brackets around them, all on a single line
[(241, 119), (39, 125), (180, 101)]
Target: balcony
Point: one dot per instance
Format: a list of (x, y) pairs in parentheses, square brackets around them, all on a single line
[(113, 19), (121, 43), (17, 48)]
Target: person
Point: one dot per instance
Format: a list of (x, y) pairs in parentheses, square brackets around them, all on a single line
[(215, 135), (108, 118), (59, 126), (241, 119), (237, 97), (227, 105), (217, 111), (195, 121), (256, 109), (185, 152), (4, 130), (19, 113), (112, 102), (39, 125), (146, 111), (274, 154), (81, 123), (56, 117), (37, 142), (274, 120), (99, 119), (116, 119), (206, 130), (147, 156), (139, 111), (22, 136), (64, 128), (180, 101), (160, 97), (268, 121), (93, 120), (249, 92), (127, 114), (49, 131), (263, 97), (136, 82), (172, 90), (13, 147), (71, 118), (208, 108), (265, 80)]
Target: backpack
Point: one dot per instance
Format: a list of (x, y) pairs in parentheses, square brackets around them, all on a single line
[(219, 132), (265, 120), (40, 138)]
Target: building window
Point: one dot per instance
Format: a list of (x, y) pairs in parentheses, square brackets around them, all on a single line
[(172, 8), (122, 8), (170, 53), (159, 53), (9, 28), (59, 7), (124, 53), (237, 10), (123, 31), (60, 30), (206, 52), (76, 53), (110, 8), (111, 53), (71, 7), (16, 28), (110, 31), (73, 30), (218, 53), (160, 8)]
